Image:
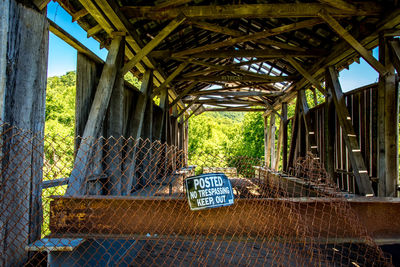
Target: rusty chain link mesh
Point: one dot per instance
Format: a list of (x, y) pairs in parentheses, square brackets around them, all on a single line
[(123, 202)]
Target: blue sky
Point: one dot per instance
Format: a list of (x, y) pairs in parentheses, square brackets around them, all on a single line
[(62, 57)]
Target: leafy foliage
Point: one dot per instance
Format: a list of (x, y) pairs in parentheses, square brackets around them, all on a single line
[(225, 135)]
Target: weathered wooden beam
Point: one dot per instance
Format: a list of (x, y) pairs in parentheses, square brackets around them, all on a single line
[(250, 11), (306, 74), (340, 4), (111, 9), (257, 53), (24, 46), (329, 136), (270, 140), (357, 162), (236, 78), (69, 39), (79, 14), (388, 135), (41, 4), (272, 132), (153, 43), (278, 147), (188, 106), (193, 112), (267, 53), (235, 109), (228, 101), (183, 94), (294, 137), (251, 86), (235, 33), (96, 116), (251, 37), (114, 130), (270, 107), (237, 93), (395, 53), (342, 53), (229, 68), (342, 32), (94, 30), (136, 125), (92, 8), (311, 142), (284, 122), (170, 78), (170, 3)]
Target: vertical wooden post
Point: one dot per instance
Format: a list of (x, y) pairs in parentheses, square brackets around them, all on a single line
[(284, 122), (136, 126), (23, 77), (114, 127), (96, 117), (266, 140), (387, 117), (294, 138), (186, 142), (272, 130), (329, 134)]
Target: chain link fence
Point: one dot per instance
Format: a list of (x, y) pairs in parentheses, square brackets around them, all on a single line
[(120, 201)]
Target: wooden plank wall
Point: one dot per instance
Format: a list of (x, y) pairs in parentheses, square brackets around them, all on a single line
[(362, 105), (154, 126), (23, 78)]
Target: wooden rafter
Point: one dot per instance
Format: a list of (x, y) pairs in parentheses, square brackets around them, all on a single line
[(228, 101), (188, 106), (235, 33), (306, 74), (249, 11), (183, 94), (340, 4), (234, 78), (339, 54), (79, 14), (170, 3), (241, 109), (332, 22), (170, 78), (251, 37), (257, 53), (231, 68), (153, 43), (122, 24), (41, 4)]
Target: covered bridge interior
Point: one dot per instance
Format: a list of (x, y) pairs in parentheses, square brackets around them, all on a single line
[(194, 56)]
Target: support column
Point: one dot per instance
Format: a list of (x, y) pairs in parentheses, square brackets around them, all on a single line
[(272, 130), (266, 141), (329, 135), (388, 164), (136, 125), (284, 136), (23, 76)]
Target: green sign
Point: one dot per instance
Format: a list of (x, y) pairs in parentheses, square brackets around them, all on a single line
[(209, 190)]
